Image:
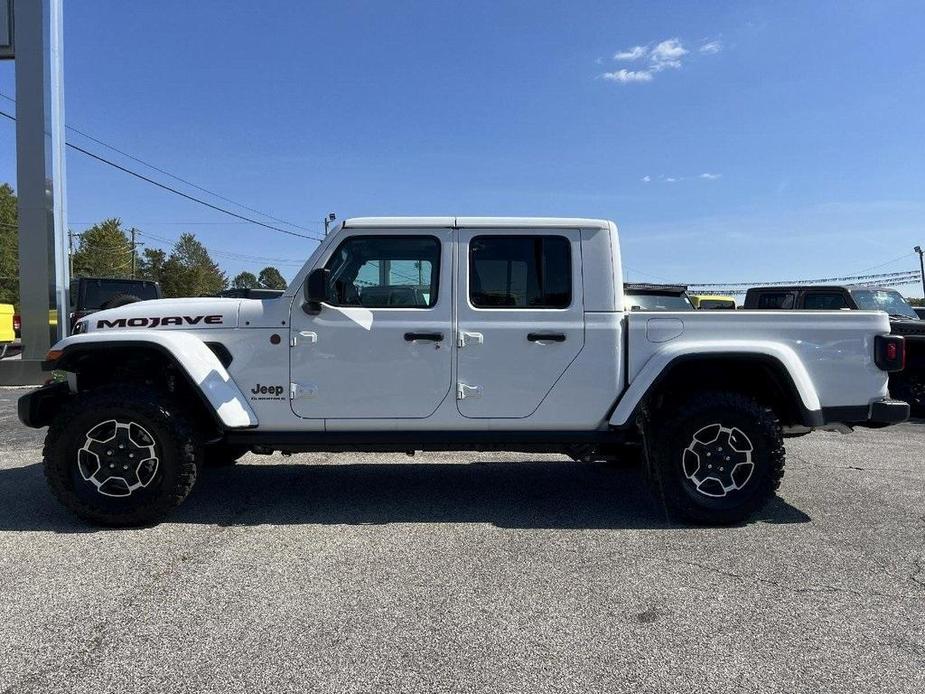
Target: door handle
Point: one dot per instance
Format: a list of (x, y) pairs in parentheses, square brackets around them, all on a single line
[(546, 337), (432, 337)]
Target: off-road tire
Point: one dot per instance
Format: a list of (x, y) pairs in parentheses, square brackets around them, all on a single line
[(117, 300), (674, 451), (174, 442), (222, 455)]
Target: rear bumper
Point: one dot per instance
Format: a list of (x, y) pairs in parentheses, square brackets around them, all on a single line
[(877, 414), (38, 408)]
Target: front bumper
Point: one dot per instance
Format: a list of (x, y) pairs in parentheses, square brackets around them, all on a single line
[(879, 413), (38, 408)]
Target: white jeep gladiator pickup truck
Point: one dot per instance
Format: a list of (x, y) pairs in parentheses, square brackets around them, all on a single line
[(449, 333)]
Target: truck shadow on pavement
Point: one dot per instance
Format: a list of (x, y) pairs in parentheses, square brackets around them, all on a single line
[(537, 495)]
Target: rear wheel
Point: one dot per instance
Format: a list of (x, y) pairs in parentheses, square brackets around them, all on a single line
[(717, 458), (119, 456)]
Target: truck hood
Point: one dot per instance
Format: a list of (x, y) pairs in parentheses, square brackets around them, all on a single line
[(167, 314)]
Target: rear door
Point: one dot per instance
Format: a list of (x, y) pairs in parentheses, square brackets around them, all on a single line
[(520, 317)]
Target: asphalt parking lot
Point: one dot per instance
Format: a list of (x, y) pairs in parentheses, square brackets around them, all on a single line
[(470, 572)]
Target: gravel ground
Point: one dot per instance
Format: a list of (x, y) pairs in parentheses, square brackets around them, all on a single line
[(470, 572)]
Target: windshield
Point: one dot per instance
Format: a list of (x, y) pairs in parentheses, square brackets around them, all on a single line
[(658, 302), (887, 300)]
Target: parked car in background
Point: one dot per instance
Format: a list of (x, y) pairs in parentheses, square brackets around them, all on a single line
[(908, 384), (656, 297), (251, 293), (92, 294), (712, 302), (7, 334)]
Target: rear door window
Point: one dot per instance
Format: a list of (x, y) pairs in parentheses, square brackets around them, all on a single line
[(526, 272)]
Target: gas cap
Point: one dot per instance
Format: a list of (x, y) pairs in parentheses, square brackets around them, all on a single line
[(663, 329)]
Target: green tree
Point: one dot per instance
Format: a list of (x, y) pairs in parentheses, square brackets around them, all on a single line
[(244, 280), (190, 271), (104, 251), (151, 264), (271, 278), (9, 247), (915, 302)]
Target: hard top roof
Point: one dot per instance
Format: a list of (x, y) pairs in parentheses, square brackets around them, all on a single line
[(475, 222)]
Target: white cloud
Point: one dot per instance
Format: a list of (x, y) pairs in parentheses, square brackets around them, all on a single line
[(634, 53), (706, 176), (667, 54), (626, 76), (664, 55)]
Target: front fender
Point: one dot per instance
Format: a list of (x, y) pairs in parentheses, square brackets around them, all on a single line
[(661, 362), (189, 353)]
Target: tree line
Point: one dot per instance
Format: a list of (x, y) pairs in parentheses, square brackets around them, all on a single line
[(106, 250)]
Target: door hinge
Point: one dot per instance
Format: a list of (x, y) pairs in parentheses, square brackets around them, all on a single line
[(464, 391), (298, 390), (469, 338), (307, 335)]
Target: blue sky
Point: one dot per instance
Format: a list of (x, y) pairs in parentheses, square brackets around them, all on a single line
[(729, 141)]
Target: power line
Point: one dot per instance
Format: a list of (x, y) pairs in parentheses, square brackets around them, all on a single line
[(889, 262), (179, 192), (823, 280), (229, 254), (173, 176)]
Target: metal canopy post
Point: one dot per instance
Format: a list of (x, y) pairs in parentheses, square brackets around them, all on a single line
[(40, 175)]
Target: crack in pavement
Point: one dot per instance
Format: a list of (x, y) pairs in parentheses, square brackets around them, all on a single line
[(823, 588)]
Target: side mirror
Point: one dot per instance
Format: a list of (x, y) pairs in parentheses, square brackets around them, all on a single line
[(315, 289)]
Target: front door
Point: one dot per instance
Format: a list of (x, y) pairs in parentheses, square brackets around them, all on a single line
[(520, 317), (381, 346)]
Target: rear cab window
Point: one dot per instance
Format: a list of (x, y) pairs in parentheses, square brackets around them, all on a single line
[(520, 272)]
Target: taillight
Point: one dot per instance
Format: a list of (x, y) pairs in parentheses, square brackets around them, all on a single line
[(890, 352)]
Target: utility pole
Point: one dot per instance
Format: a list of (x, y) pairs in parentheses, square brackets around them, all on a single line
[(70, 252), (134, 252), (918, 249)]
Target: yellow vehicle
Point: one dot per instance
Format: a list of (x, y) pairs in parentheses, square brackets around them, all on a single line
[(712, 301), (7, 334)]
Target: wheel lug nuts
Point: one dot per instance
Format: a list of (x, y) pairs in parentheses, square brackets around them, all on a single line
[(125, 467), (112, 465), (108, 452)]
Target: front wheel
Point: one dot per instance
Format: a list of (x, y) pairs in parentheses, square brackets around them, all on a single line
[(717, 458), (120, 456)]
